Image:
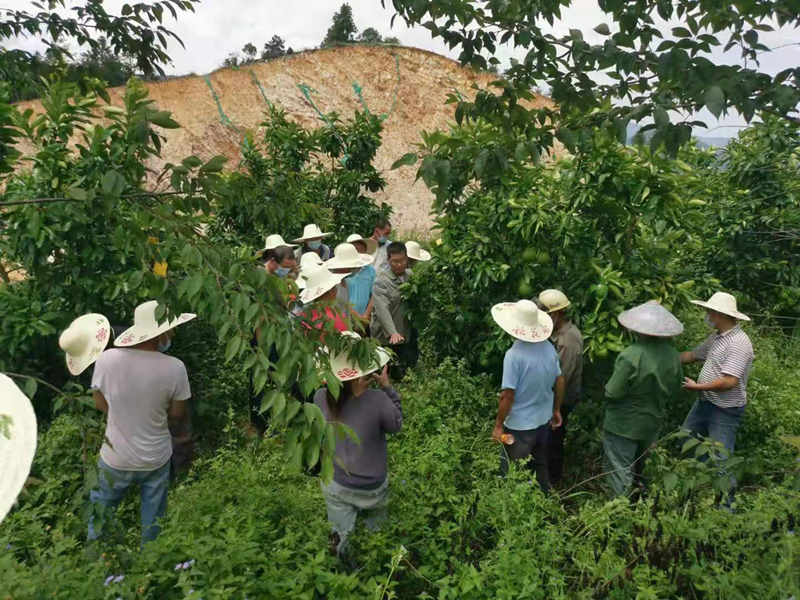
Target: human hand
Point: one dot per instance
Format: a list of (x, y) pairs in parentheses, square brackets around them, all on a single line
[(556, 421), (689, 384), (382, 379), (396, 338), (496, 433)]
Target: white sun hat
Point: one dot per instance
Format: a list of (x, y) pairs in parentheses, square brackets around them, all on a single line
[(372, 245), (414, 251), (17, 442), (554, 300), (308, 262), (318, 280), (723, 303), (84, 340), (523, 320), (312, 232), (347, 257), (146, 327), (274, 241), (651, 319), (345, 369)]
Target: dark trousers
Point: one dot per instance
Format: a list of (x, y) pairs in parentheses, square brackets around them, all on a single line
[(531, 443), (407, 356), (556, 447)]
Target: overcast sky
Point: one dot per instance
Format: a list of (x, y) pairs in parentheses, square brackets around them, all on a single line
[(220, 27)]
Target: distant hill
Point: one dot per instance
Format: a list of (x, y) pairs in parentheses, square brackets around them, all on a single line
[(719, 143)]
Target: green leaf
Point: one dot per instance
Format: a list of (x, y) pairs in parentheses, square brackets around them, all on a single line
[(715, 100), (251, 312), (135, 280), (214, 165), (76, 193), (326, 472), (30, 388), (113, 183), (232, 348), (670, 481), (689, 444), (405, 161), (602, 29), (660, 116), (163, 119), (195, 284), (480, 163), (681, 32)]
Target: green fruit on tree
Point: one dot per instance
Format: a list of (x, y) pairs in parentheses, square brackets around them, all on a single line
[(601, 353), (543, 258), (529, 255), (601, 291), (525, 289), (446, 248)]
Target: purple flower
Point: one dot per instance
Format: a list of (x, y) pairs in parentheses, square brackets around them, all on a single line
[(9, 546), (191, 562), (185, 565), (108, 580), (177, 567), (191, 592), (119, 578)]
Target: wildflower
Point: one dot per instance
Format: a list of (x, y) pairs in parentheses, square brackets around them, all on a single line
[(185, 565), (191, 562), (191, 591), (9, 546), (108, 580), (119, 578), (177, 567)]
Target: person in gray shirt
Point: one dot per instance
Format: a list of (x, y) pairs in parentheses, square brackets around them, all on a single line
[(360, 477)]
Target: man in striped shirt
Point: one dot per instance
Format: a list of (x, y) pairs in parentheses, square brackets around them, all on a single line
[(727, 357)]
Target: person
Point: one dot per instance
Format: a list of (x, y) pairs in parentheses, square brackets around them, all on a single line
[(390, 324), (321, 287), (727, 357), (311, 241), (568, 341), (17, 443), (272, 242), (380, 234), (280, 261), (532, 389), (416, 254), (361, 282), (360, 473), (646, 375), (144, 393), (350, 262), (84, 341)]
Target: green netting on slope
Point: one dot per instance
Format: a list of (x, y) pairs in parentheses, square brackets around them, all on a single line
[(224, 119)]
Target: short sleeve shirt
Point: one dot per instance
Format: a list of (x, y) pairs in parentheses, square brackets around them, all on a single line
[(138, 386), (530, 369), (729, 353), (360, 286)]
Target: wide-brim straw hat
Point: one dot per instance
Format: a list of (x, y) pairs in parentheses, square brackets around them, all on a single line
[(523, 320), (347, 257), (723, 303), (345, 369), (274, 241), (312, 232), (84, 340), (318, 281), (414, 252), (308, 261), (146, 327), (554, 300), (16, 449), (372, 245), (651, 319)]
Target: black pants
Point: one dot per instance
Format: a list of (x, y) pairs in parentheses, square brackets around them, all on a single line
[(556, 450), (531, 443), (407, 356)]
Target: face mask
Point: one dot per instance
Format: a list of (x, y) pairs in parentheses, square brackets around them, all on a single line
[(282, 271), (707, 320), (314, 245), (382, 240), (164, 346)]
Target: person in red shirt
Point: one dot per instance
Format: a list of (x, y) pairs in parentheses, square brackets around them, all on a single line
[(321, 289)]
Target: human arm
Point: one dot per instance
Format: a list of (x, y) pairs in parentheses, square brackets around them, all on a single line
[(392, 413), (382, 295), (368, 312), (504, 404), (722, 384), (559, 391), (688, 357), (620, 381), (100, 402)]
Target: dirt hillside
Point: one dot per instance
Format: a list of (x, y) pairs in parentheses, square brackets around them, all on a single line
[(425, 80)]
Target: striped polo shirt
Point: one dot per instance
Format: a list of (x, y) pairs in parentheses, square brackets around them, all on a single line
[(729, 353)]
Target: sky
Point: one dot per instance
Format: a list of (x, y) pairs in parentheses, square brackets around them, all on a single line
[(220, 27)]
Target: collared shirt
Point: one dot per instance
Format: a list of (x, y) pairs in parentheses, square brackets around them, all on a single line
[(530, 369), (729, 353), (390, 314), (646, 375), (569, 347), (360, 286), (381, 259), (324, 252)]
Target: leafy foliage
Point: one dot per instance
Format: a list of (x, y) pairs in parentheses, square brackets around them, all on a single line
[(343, 28)]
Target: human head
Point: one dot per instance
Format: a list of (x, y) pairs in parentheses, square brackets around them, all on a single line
[(280, 261), (330, 295), (398, 259), (382, 230), (719, 321), (313, 243), (360, 246)]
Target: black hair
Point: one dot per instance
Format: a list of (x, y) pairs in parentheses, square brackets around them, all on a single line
[(395, 249), (382, 223), (335, 406), (280, 254)]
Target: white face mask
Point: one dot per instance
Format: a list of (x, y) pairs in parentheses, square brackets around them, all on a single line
[(164, 346), (707, 320)]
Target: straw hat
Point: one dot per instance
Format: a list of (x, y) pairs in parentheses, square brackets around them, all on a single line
[(308, 261), (146, 327), (523, 320), (651, 319), (16, 450), (318, 281), (372, 245), (274, 241), (345, 370), (553, 300), (347, 257), (84, 340), (311, 232), (413, 251), (723, 303)]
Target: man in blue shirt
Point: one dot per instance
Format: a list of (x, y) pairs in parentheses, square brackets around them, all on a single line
[(532, 389)]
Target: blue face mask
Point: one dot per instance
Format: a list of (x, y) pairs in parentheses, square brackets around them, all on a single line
[(382, 240), (282, 272), (707, 320), (164, 346), (314, 245)]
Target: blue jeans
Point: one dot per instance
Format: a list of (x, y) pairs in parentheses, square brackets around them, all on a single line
[(114, 485), (719, 424)]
